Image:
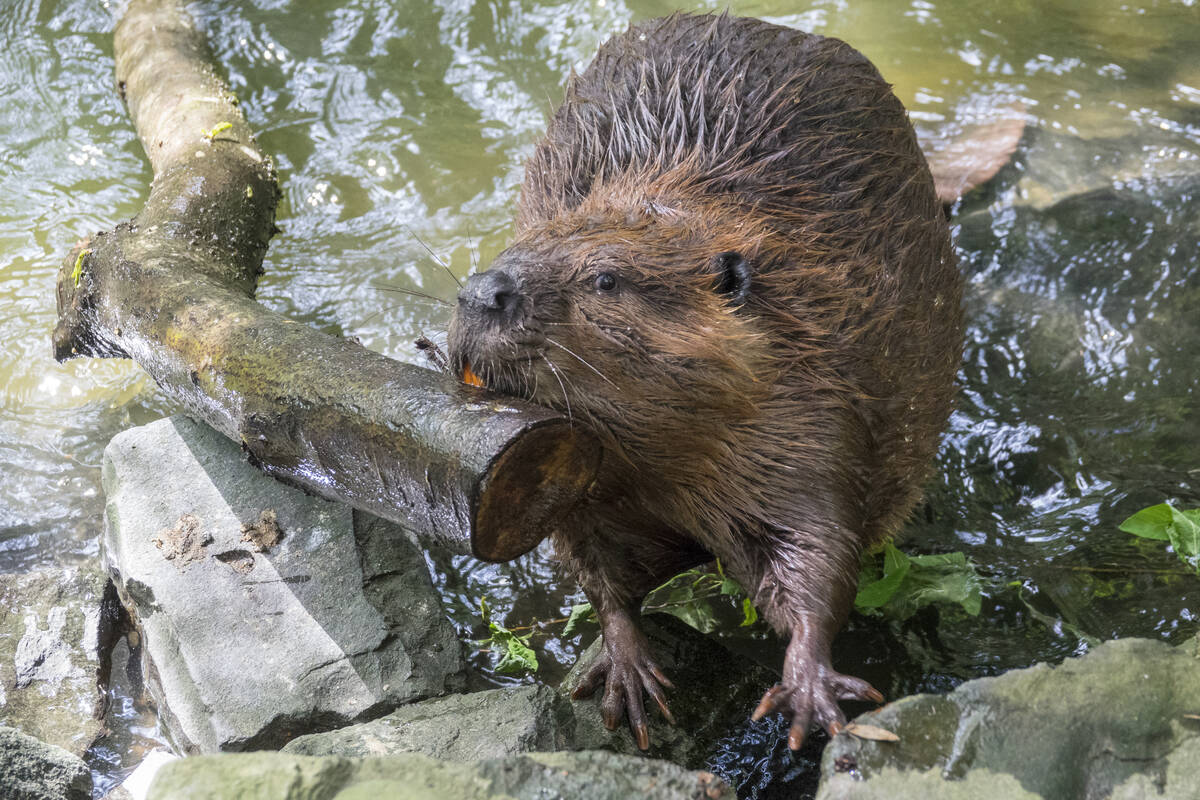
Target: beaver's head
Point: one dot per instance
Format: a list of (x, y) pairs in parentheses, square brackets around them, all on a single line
[(638, 318)]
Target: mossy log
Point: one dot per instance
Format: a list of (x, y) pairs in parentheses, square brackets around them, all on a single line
[(173, 290)]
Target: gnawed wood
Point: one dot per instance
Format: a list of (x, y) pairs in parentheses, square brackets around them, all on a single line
[(173, 290)]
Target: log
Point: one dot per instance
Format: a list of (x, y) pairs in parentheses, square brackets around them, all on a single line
[(173, 289)]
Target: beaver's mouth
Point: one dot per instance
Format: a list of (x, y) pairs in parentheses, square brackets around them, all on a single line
[(497, 360), (495, 338), (513, 375)]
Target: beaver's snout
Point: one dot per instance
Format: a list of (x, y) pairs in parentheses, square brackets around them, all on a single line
[(492, 295), (493, 329)]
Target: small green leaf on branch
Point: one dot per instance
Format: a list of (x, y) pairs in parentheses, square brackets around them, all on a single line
[(77, 273), (220, 127)]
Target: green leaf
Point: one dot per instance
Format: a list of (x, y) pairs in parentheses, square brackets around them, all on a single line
[(1165, 522), (876, 593), (730, 587), (77, 272), (1184, 536), (944, 578), (697, 613), (579, 614), (909, 583), (515, 655), (1151, 523), (749, 613)]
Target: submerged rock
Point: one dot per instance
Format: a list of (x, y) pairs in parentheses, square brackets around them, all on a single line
[(52, 624), (264, 613), (412, 776), (33, 770), (1122, 721), (464, 727)]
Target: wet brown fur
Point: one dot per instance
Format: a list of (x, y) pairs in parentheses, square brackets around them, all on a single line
[(782, 434)]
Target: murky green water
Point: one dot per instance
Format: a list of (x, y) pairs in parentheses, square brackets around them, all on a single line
[(395, 124)]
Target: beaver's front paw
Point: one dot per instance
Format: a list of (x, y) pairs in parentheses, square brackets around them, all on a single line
[(626, 669), (809, 693)]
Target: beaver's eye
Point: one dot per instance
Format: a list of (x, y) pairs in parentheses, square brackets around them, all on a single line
[(605, 282)]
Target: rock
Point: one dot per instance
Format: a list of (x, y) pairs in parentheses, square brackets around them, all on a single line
[(1055, 166), (465, 727), (52, 623), (1113, 722), (716, 691), (137, 785), (33, 770), (412, 776), (250, 640), (894, 784)]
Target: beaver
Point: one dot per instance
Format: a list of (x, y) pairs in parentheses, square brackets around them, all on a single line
[(729, 263)]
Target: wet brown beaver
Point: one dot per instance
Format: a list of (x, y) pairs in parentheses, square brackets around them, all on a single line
[(730, 262)]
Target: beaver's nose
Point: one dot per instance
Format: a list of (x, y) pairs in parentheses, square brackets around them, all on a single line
[(493, 292)]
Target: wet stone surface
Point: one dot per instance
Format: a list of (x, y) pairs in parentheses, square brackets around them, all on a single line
[(33, 770), (1114, 723), (411, 776), (461, 727), (53, 624), (246, 646)]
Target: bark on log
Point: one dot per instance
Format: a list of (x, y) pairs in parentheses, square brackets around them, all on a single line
[(173, 290)]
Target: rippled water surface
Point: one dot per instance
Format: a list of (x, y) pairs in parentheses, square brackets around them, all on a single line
[(402, 127)]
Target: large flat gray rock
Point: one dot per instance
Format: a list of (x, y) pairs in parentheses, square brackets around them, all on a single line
[(33, 770), (264, 613), (1118, 722), (461, 727), (412, 776), (51, 626)]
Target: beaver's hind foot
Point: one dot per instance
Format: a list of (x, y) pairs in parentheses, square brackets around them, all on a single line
[(626, 669), (810, 691)]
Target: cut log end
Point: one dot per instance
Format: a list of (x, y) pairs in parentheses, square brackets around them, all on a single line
[(529, 487)]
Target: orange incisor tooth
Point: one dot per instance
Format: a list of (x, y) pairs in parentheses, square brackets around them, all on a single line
[(469, 377)]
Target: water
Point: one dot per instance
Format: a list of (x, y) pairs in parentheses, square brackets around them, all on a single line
[(397, 125)]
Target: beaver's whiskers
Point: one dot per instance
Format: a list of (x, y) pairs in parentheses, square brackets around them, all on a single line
[(561, 385), (581, 359)]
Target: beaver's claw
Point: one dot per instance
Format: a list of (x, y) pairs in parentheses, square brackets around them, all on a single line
[(626, 669), (809, 693)]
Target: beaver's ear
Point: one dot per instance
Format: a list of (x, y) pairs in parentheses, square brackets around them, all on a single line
[(733, 277)]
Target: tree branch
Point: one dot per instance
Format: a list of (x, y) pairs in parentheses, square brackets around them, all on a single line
[(173, 290)]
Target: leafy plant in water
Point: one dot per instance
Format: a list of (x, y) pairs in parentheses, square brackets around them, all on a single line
[(689, 596), (898, 587), (581, 613), (516, 656), (904, 584), (1165, 522)]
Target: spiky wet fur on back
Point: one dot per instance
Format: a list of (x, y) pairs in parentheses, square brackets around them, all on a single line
[(782, 434)]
